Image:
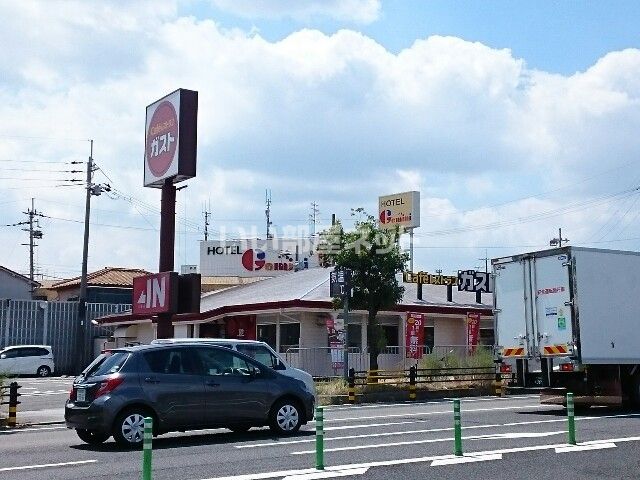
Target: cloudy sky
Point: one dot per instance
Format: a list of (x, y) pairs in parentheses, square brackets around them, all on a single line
[(512, 119)]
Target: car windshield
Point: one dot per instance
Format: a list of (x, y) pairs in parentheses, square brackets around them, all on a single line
[(105, 364)]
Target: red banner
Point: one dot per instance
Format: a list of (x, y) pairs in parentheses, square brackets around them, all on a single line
[(473, 330), (415, 335)]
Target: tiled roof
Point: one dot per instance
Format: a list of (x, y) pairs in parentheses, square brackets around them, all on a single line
[(108, 276)]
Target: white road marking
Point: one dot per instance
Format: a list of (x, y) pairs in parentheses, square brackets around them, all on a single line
[(435, 440), (47, 465), (20, 430), (466, 459), (389, 463), (439, 412), (582, 448), (319, 474), (426, 430)]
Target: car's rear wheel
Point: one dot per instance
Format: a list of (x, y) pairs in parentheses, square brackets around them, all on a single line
[(43, 371), (91, 437), (128, 429), (285, 417)]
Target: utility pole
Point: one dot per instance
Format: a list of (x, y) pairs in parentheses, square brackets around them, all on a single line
[(206, 214), (313, 217), (34, 234), (91, 190), (82, 297), (267, 198), (486, 261), (558, 241)]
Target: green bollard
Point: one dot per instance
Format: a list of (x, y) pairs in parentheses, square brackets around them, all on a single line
[(319, 438), (146, 448), (570, 419), (457, 429)]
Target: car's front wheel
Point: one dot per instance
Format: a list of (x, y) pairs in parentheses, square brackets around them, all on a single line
[(128, 429), (91, 437), (285, 417)]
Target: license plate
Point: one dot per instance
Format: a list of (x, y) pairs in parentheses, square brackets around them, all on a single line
[(81, 395)]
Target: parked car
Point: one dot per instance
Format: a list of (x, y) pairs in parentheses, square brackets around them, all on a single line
[(182, 386), (27, 360), (260, 351)]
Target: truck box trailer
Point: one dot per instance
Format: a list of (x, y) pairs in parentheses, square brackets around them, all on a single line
[(568, 320)]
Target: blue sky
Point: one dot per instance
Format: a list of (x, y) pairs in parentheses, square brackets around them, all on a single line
[(511, 118), (555, 36)]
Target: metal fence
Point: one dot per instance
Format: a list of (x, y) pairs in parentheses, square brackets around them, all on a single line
[(24, 322), (327, 362)]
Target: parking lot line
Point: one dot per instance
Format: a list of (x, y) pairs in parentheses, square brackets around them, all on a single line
[(47, 465)]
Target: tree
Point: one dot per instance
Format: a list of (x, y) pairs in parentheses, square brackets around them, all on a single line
[(374, 257)]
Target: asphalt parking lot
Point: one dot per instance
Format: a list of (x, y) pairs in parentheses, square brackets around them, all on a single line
[(513, 437)]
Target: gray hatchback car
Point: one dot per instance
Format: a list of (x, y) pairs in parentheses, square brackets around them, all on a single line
[(182, 387)]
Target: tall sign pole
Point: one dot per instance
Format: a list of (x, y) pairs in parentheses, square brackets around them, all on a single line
[(170, 157)]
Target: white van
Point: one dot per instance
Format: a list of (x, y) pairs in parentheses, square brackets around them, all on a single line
[(27, 360), (261, 351)]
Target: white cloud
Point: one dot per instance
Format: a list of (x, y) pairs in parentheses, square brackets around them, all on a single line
[(358, 11), (336, 119)]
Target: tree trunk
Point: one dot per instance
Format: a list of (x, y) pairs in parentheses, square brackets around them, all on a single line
[(373, 341)]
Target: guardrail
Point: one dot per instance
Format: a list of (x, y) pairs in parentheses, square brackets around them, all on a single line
[(326, 362), (412, 377)]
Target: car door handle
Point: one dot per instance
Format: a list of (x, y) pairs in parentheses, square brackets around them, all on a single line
[(212, 383), (151, 380)]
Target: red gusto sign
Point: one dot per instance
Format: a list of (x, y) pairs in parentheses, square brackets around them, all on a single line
[(415, 335), (171, 138), (156, 293), (162, 138), (473, 330)]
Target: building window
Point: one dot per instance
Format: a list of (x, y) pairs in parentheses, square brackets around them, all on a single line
[(487, 336), (390, 334), (429, 338), (289, 336), (354, 335), (267, 334)]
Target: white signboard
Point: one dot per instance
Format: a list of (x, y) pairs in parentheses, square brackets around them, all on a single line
[(256, 258), (400, 209)]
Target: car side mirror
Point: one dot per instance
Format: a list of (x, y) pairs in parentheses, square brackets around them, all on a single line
[(280, 366), (254, 372)]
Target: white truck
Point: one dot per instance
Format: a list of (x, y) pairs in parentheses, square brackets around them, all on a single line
[(568, 320)]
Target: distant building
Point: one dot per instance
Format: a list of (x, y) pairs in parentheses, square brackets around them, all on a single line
[(109, 285), (15, 286)]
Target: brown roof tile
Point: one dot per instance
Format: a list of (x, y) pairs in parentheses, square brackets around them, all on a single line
[(108, 276)]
